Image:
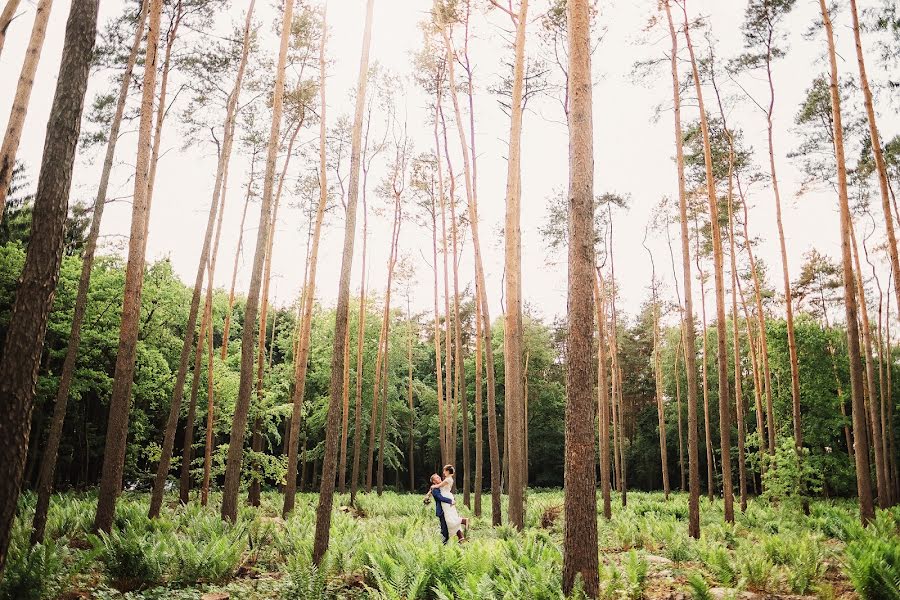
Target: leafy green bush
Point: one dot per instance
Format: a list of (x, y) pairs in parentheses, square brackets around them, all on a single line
[(791, 477)]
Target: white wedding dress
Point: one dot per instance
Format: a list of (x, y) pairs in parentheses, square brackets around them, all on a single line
[(451, 515)]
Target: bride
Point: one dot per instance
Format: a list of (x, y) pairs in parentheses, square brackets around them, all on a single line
[(456, 525)]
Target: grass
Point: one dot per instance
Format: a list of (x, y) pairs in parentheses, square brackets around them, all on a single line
[(390, 549)]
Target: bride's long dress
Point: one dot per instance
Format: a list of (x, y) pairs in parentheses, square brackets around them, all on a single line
[(451, 515)]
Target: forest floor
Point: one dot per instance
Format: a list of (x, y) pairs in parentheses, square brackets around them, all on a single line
[(389, 547)]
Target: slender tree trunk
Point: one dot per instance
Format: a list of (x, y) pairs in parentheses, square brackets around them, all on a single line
[(657, 376), (360, 339), (226, 330), (37, 285), (493, 445), (6, 17), (861, 445), (878, 152), (184, 487), (448, 346), (738, 372), (218, 190), (345, 417), (412, 414), (479, 434), (707, 425), (602, 397), (16, 123), (580, 537), (460, 391), (680, 425), (326, 492), (242, 405), (301, 359), (443, 406), (690, 351), (51, 450), (117, 428), (386, 329), (210, 415), (719, 273), (513, 379), (873, 396)]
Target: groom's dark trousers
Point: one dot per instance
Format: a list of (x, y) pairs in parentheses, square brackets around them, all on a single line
[(439, 511)]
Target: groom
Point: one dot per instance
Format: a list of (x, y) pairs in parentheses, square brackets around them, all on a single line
[(439, 501)]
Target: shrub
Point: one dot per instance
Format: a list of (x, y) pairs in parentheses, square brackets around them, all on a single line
[(873, 560)]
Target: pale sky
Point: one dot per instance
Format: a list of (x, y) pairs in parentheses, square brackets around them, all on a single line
[(633, 152)]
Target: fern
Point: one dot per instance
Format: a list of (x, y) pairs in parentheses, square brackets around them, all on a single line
[(698, 587)]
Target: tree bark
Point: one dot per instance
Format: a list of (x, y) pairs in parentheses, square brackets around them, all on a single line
[(326, 492), (117, 428), (873, 396), (19, 109), (37, 285), (360, 343), (496, 516), (580, 537), (412, 414), (512, 360), (657, 376), (218, 191), (479, 434), (861, 445), (51, 450), (242, 404), (345, 417), (690, 345), (6, 17), (602, 397), (880, 166), (719, 273), (301, 360)]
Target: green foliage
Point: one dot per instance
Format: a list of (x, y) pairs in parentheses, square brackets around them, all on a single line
[(790, 476), (873, 559)]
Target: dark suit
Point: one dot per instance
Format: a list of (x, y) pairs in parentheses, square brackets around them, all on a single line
[(439, 511)]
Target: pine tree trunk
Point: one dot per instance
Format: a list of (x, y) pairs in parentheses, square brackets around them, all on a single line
[(301, 358), (512, 360), (719, 276), (738, 371), (117, 428), (360, 342), (184, 487), (496, 517), (226, 330), (51, 450), (37, 284), (690, 346), (6, 17), (707, 426), (878, 153), (873, 395), (680, 424), (602, 397), (345, 417), (412, 414), (580, 536), (861, 445), (460, 391), (326, 492), (242, 404), (218, 191), (19, 109), (657, 376), (479, 434), (210, 416)]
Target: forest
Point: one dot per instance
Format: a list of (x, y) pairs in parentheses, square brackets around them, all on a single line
[(621, 277)]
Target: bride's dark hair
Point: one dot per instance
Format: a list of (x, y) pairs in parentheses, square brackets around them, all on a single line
[(449, 469)]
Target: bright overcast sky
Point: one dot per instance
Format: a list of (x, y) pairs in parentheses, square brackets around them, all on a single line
[(633, 152)]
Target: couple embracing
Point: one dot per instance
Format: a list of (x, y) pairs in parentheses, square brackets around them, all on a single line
[(445, 506)]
